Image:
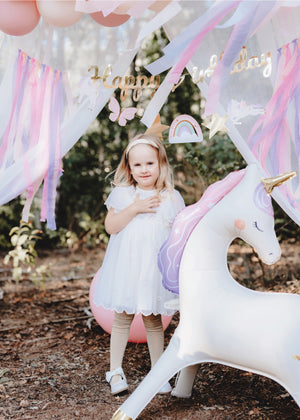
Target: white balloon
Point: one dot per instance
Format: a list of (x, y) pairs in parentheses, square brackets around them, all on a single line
[(59, 12), (220, 320)]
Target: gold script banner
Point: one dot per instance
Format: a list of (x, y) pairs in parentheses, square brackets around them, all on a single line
[(137, 84)]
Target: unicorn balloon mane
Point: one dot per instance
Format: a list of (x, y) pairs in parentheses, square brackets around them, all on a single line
[(222, 321)]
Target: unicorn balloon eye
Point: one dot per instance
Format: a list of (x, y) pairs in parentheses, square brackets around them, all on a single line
[(257, 227)]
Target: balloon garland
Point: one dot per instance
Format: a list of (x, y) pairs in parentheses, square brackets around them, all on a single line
[(20, 17)]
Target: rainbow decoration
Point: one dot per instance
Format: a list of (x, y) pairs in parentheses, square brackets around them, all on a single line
[(185, 129)]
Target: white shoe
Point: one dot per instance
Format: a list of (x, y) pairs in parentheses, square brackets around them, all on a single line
[(119, 386), (180, 395), (165, 389)]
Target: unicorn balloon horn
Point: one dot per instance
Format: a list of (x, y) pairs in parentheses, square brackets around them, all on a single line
[(270, 183)]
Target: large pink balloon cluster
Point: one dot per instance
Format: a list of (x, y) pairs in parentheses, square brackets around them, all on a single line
[(19, 17)]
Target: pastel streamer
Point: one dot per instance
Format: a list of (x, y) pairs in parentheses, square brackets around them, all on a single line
[(271, 138), (35, 120), (182, 42), (296, 122), (242, 31), (194, 44), (250, 14), (156, 103), (277, 106), (167, 13), (12, 180), (5, 144), (239, 14), (171, 55), (247, 18), (55, 164), (171, 251), (6, 91), (139, 8)]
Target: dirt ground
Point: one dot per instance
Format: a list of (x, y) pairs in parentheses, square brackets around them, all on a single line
[(54, 355)]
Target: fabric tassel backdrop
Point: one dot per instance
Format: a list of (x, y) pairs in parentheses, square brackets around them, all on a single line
[(35, 122)]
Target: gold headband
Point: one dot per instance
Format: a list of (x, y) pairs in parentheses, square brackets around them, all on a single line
[(140, 141)]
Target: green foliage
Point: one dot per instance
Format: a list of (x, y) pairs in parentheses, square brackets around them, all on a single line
[(91, 233), (86, 183), (10, 215), (285, 227), (23, 239), (215, 158)]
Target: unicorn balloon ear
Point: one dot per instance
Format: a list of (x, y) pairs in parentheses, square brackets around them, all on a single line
[(270, 183)]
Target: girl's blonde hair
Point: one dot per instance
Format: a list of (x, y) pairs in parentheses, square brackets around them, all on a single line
[(123, 177)]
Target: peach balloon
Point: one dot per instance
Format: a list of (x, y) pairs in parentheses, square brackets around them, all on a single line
[(18, 17), (59, 13), (113, 19), (105, 318)]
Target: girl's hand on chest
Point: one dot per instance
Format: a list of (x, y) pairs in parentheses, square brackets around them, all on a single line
[(147, 205)]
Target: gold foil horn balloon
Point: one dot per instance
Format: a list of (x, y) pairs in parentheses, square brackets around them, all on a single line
[(119, 415), (270, 183)]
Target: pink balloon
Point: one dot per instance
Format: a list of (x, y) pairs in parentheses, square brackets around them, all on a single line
[(59, 13), (18, 17), (105, 318), (113, 19)]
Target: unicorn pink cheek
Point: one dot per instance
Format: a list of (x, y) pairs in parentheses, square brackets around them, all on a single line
[(240, 224)]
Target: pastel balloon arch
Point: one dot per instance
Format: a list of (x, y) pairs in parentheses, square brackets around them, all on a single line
[(20, 17)]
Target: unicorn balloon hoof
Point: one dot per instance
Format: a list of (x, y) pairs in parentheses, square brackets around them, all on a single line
[(220, 320)]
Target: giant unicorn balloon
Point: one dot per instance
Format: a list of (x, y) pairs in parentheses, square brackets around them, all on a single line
[(220, 320)]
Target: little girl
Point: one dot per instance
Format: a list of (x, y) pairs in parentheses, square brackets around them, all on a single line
[(141, 209)]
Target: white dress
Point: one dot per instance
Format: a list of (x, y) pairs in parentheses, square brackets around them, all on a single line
[(129, 279)]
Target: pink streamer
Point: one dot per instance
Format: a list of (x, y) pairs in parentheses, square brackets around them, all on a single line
[(5, 142), (35, 121), (271, 137), (45, 132), (183, 43), (240, 34)]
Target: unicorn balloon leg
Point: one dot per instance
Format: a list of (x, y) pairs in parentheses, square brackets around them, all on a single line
[(220, 320)]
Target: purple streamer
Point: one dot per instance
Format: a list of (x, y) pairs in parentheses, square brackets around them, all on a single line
[(257, 12)]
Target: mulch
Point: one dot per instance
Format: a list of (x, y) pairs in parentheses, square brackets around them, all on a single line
[(54, 355)]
